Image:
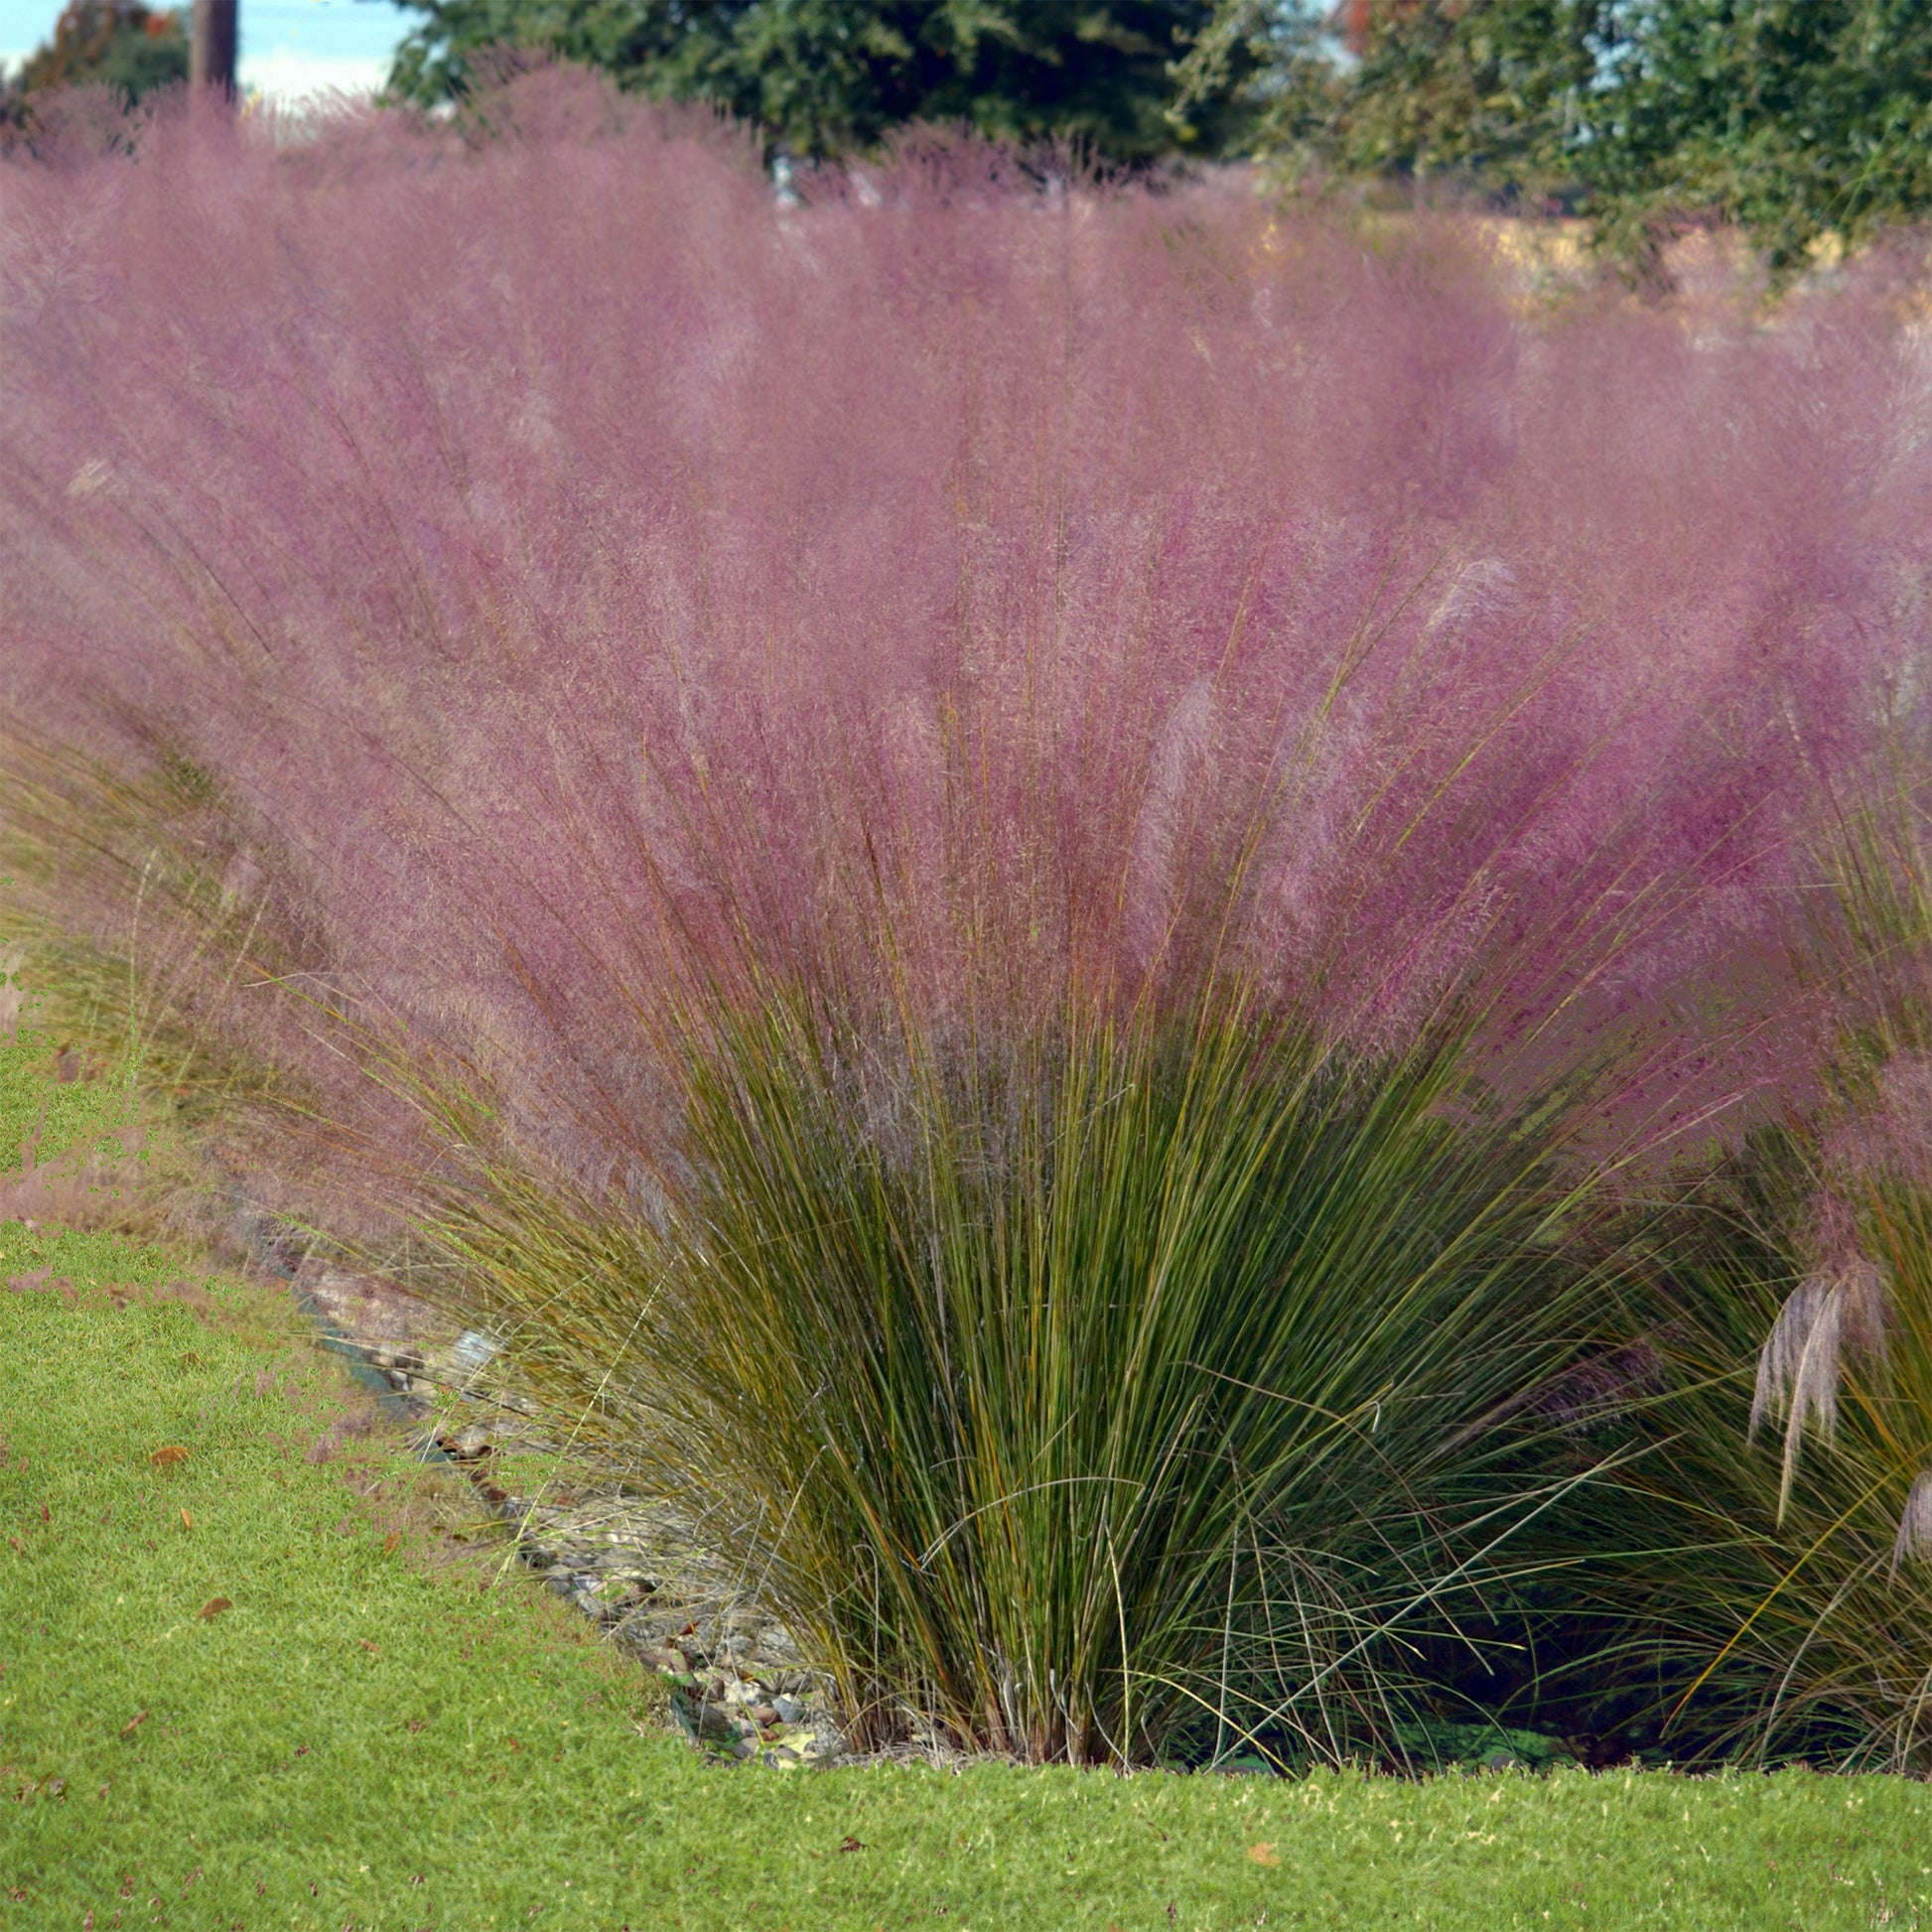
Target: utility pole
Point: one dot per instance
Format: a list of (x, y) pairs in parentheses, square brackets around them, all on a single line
[(211, 45)]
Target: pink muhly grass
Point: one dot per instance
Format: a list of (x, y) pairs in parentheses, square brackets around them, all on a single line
[(530, 617), (590, 586)]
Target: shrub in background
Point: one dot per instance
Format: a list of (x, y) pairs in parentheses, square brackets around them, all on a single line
[(115, 43), (1805, 127), (829, 76), (634, 684)]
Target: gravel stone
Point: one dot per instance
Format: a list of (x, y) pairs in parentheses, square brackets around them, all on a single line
[(647, 1577)]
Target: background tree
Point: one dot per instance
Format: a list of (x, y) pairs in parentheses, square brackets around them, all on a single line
[(1796, 118), (832, 77), (114, 43), (213, 44)]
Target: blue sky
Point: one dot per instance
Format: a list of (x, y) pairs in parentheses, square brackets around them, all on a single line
[(289, 48)]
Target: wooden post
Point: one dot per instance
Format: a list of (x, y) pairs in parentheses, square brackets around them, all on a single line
[(212, 44)]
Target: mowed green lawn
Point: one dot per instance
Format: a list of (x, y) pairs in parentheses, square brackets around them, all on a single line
[(384, 1730)]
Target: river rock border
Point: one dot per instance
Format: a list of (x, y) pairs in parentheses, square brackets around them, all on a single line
[(739, 1688)]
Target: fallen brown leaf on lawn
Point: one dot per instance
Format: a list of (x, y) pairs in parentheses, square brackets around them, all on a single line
[(214, 1608), (374, 1649), (174, 1452), (186, 1521), (852, 1844), (390, 1541), (1263, 1854), (134, 1723)]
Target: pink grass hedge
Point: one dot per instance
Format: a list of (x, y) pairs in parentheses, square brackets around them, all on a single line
[(592, 586)]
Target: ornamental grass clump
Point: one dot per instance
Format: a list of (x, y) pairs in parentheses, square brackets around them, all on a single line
[(1111, 1390), (1794, 1324), (998, 865)]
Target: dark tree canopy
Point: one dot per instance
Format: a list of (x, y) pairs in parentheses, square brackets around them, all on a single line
[(1796, 118), (832, 77)]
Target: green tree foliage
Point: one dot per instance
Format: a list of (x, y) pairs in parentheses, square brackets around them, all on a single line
[(1795, 118), (116, 43), (833, 76)]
